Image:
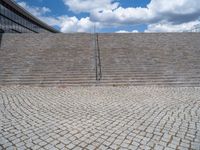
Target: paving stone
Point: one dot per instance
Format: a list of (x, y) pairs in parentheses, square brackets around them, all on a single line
[(77, 148), (60, 146), (35, 147), (159, 147), (103, 147), (49, 146), (70, 146), (172, 146), (114, 146), (53, 148), (11, 148), (42, 143), (20, 144), (186, 145), (100, 118), (168, 148), (7, 144)]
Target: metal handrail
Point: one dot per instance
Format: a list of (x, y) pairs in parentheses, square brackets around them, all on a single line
[(97, 57)]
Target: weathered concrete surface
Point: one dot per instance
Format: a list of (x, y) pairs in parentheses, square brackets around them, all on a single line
[(99, 118)]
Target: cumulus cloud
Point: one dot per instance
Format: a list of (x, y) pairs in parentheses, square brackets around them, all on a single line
[(40, 12), (122, 16), (159, 15), (73, 24), (65, 23), (168, 27), (90, 5), (36, 11), (176, 12)]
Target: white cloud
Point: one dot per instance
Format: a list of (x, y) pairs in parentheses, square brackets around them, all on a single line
[(73, 24), (65, 23), (122, 16), (124, 31), (159, 15), (162, 15), (36, 11), (176, 11), (40, 12), (135, 31), (168, 27), (90, 5)]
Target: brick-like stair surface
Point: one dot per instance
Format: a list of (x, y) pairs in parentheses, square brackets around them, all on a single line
[(170, 59), (47, 59)]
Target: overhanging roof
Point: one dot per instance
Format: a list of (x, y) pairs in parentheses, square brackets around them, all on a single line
[(27, 14)]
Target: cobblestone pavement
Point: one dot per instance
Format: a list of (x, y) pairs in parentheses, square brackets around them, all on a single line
[(99, 118)]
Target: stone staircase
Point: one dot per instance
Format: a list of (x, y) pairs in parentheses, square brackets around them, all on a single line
[(167, 59), (170, 59), (47, 59)]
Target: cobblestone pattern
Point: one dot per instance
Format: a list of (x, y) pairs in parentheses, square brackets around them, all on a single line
[(99, 118)]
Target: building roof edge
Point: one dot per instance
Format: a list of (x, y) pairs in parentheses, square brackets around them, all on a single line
[(27, 14)]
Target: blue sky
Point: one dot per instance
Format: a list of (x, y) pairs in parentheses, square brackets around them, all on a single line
[(116, 15)]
